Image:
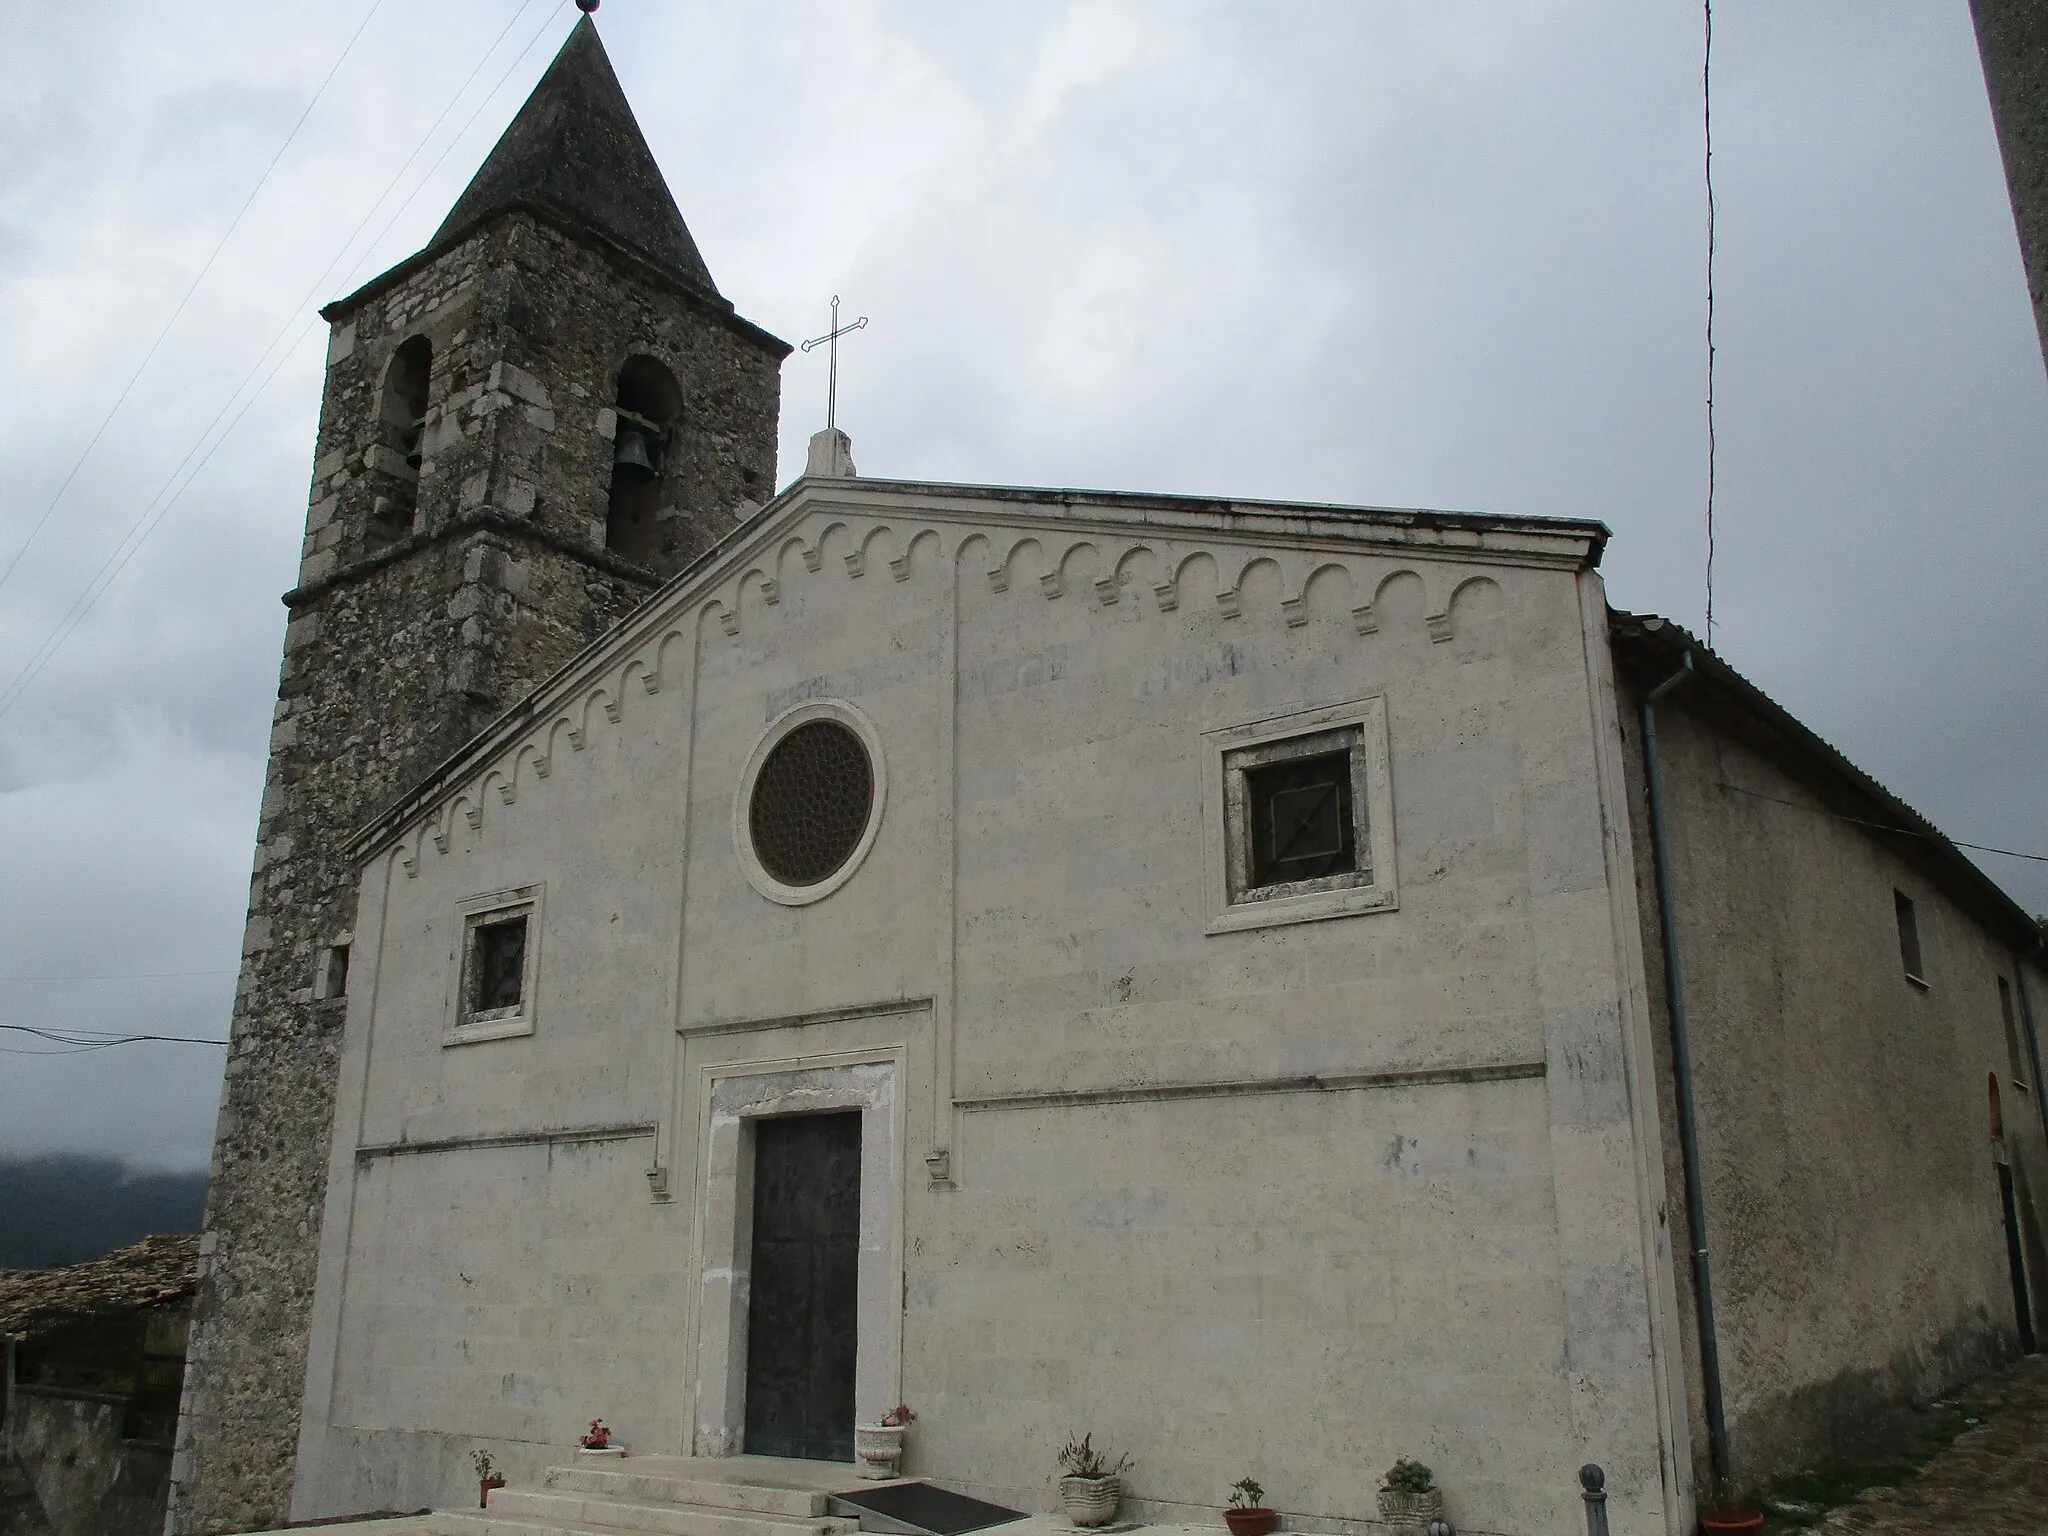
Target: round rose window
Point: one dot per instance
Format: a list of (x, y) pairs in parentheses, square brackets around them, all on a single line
[(811, 802)]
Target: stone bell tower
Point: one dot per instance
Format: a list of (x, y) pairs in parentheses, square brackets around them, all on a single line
[(527, 427)]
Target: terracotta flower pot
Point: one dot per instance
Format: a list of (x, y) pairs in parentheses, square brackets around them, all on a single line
[(1089, 1500), (1733, 1521), (483, 1491), (1254, 1520)]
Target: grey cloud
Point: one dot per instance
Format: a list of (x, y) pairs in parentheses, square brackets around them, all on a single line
[(1442, 254)]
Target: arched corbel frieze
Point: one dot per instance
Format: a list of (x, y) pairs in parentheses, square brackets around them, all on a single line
[(674, 635), (1075, 571), (1032, 569), (816, 553), (495, 774), (1368, 616), (858, 558), (640, 667), (1330, 581), (925, 538)]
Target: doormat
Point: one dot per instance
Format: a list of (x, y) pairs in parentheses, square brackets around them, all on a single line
[(919, 1509)]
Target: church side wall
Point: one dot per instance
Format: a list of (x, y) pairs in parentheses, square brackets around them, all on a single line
[(1290, 1201), (1853, 1210)]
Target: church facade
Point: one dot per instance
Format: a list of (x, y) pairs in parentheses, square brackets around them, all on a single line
[(1242, 980)]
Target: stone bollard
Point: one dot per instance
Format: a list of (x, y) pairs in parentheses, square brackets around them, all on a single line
[(1593, 1482)]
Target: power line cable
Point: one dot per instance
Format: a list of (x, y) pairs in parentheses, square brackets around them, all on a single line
[(152, 514), (98, 1040), (233, 225), (1707, 122), (1881, 826), (125, 976), (463, 131)]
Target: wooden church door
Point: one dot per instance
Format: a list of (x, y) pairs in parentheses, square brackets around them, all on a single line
[(801, 1314)]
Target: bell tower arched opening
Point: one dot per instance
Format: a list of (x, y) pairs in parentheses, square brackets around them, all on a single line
[(401, 429), (649, 406)]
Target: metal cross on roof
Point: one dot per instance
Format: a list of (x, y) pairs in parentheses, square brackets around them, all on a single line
[(832, 336)]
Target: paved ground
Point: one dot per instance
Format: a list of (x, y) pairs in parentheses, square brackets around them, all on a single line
[(1992, 1481)]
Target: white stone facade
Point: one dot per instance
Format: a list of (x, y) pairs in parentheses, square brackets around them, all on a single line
[(1380, 1176)]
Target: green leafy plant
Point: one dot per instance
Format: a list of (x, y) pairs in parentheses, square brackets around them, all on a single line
[(486, 1469), (1079, 1458), (1406, 1476), (1245, 1493)]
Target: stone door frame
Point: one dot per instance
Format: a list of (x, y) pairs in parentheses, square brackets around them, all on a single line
[(732, 1096)]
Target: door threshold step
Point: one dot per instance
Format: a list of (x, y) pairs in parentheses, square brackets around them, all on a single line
[(659, 1514)]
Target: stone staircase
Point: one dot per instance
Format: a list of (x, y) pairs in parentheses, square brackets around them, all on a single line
[(669, 1495)]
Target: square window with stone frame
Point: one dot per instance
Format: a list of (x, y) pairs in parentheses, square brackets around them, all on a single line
[(494, 984), (1302, 824), (497, 967)]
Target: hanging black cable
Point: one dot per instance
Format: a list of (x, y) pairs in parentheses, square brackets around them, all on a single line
[(1707, 119)]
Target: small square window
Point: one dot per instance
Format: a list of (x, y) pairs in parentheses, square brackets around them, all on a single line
[(1300, 818), (492, 994), (330, 980), (497, 965), (1909, 937), (1300, 815)]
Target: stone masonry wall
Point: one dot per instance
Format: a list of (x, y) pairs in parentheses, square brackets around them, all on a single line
[(396, 653)]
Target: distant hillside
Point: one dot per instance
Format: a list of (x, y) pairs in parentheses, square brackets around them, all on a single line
[(64, 1209)]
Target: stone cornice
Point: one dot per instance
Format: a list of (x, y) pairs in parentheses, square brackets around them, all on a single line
[(484, 519), (716, 306), (1555, 541)]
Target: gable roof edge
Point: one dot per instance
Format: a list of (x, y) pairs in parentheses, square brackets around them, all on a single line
[(1650, 647)]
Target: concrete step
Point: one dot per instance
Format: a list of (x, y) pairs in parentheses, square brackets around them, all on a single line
[(678, 1483), (448, 1522), (666, 1516)]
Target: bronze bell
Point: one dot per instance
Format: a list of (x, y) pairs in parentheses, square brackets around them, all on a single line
[(630, 459)]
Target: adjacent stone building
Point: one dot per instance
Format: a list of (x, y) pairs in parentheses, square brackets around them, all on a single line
[(1278, 987), (94, 1356)]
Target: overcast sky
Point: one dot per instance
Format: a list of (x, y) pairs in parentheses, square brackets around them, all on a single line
[(1401, 252)]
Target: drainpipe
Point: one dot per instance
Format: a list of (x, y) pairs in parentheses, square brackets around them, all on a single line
[(1681, 1072)]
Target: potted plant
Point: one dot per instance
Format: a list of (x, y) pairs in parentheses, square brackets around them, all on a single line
[(1732, 1520), (1247, 1516), (1091, 1486), (1409, 1496), (597, 1441), (880, 1445), (487, 1477)]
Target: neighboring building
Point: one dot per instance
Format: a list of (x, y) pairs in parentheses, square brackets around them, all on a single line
[(1186, 970), (95, 1355), (2012, 43)]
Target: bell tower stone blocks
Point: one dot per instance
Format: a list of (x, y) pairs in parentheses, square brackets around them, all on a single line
[(526, 428)]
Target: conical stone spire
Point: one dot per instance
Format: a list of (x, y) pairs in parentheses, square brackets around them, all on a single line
[(575, 154)]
